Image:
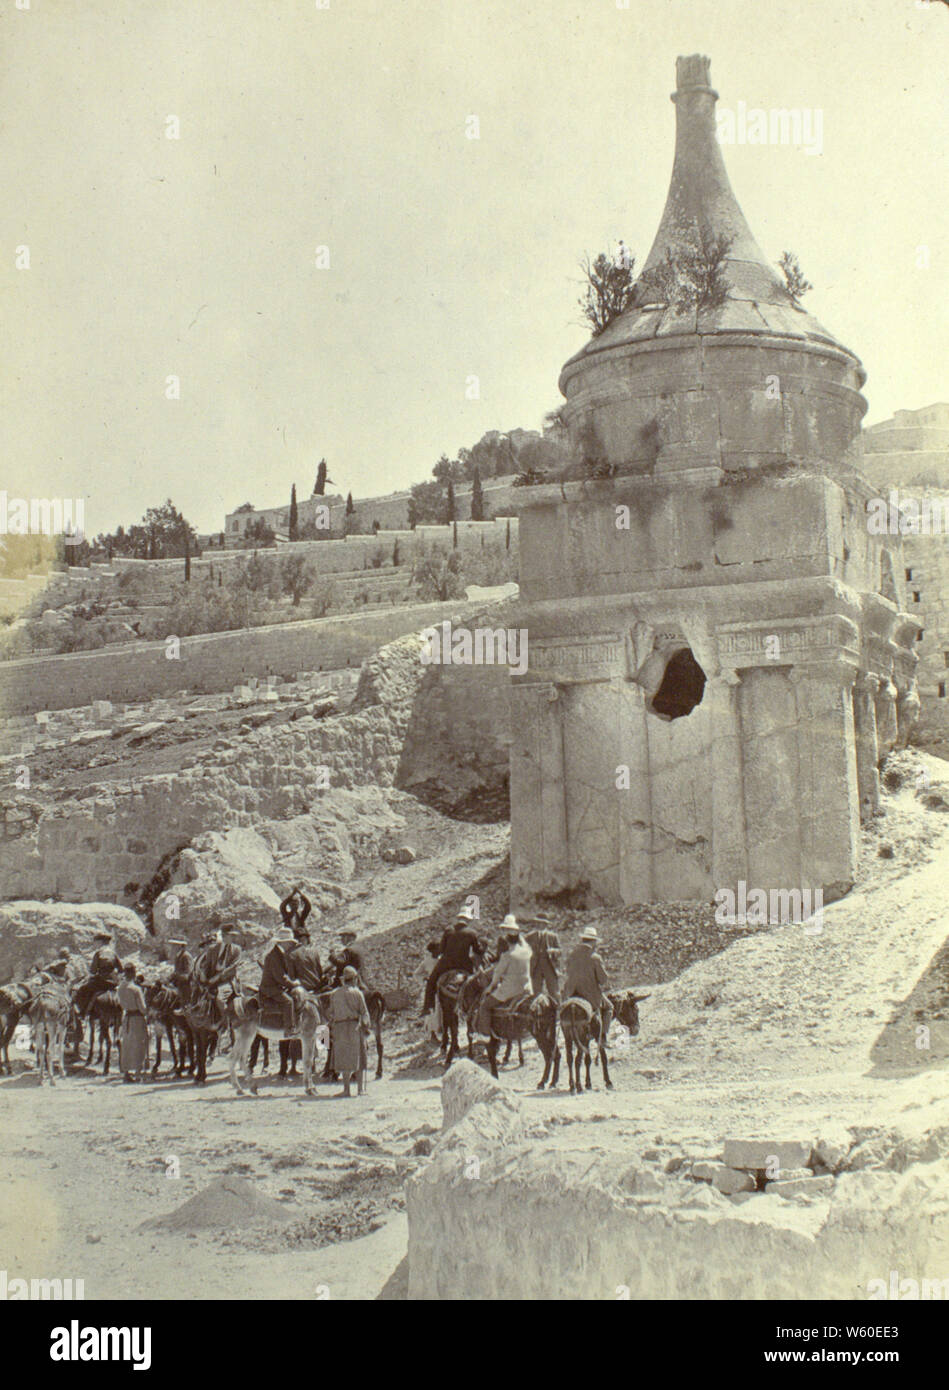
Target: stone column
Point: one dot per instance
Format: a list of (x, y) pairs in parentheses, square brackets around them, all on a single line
[(828, 800), (729, 831), (865, 731), (886, 717), (539, 856)]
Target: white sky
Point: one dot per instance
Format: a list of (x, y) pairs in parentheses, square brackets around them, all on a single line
[(449, 256)]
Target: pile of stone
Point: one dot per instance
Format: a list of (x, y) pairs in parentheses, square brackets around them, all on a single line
[(781, 1168)]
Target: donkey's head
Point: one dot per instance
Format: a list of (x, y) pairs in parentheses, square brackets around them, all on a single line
[(626, 1008)]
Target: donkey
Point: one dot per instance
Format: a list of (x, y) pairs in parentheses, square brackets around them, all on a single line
[(448, 990), (49, 1012), (583, 1025), (105, 1011), (14, 1003), (249, 1021), (207, 1018), (166, 1012), (535, 1015)]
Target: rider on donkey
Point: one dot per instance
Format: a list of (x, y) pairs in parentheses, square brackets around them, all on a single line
[(461, 949), (349, 955), (278, 980), (217, 965), (586, 977), (511, 977), (103, 972), (305, 961), (182, 969)]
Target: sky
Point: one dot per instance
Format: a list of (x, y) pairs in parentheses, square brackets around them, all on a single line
[(450, 258)]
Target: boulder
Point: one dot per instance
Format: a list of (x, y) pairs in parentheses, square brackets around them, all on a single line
[(467, 1085), (221, 874), (32, 932), (732, 1180)]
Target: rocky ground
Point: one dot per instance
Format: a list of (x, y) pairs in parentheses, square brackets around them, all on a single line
[(745, 1032)]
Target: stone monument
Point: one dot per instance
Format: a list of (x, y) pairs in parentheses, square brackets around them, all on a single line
[(718, 660)]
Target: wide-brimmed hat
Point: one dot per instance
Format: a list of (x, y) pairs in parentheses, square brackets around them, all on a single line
[(509, 926), (177, 941), (465, 914), (102, 936), (589, 934), (348, 931)]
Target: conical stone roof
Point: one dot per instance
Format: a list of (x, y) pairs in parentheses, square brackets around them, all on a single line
[(701, 200)]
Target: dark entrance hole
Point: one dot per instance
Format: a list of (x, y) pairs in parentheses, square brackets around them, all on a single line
[(682, 688)]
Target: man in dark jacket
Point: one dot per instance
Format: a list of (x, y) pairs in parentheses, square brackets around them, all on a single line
[(217, 965), (277, 982), (349, 955), (461, 949), (103, 972), (305, 962)]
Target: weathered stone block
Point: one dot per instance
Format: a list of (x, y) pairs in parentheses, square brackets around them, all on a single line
[(758, 1154), (811, 1186), (731, 1180)]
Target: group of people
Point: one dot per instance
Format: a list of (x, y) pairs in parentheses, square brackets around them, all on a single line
[(292, 969), (290, 965), (517, 970)]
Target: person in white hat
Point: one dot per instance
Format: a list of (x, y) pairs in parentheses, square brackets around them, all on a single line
[(460, 949), (512, 973), (586, 973)]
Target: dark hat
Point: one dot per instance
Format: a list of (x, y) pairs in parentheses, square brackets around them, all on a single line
[(102, 936), (348, 931)]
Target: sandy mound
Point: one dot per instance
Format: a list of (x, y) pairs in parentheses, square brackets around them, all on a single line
[(226, 1203)]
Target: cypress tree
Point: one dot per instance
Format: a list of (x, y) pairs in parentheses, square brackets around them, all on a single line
[(477, 498)]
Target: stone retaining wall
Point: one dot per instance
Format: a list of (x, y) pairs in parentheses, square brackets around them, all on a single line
[(208, 663)]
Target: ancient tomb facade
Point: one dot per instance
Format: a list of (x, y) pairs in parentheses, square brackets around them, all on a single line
[(718, 657)]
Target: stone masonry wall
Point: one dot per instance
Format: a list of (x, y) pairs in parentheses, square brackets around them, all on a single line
[(208, 663), (105, 841)]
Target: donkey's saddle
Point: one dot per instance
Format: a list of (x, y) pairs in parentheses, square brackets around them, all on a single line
[(510, 1006), (273, 1019)]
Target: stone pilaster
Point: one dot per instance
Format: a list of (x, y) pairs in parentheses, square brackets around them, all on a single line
[(828, 799), (539, 855), (865, 691), (729, 832)]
